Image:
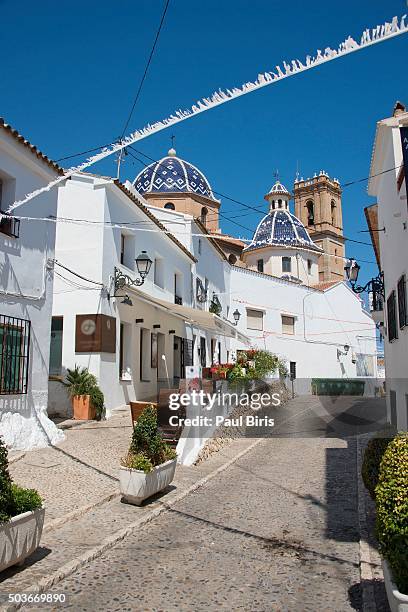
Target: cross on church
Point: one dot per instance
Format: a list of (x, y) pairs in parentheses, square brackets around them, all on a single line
[(172, 140), (276, 174)]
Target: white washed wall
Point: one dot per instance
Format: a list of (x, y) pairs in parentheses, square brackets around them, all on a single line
[(26, 287), (323, 323)]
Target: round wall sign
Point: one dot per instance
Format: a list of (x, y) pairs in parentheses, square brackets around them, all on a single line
[(88, 327)]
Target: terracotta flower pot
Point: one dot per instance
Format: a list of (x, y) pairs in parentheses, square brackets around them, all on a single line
[(83, 408)]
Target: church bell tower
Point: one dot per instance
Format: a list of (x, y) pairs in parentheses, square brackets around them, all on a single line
[(318, 206)]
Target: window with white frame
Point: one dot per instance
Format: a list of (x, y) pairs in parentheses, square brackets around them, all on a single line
[(159, 272), (127, 249), (288, 325), (286, 264), (144, 354), (255, 319)]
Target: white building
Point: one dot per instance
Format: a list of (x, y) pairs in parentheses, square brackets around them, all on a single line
[(388, 223), (319, 328), (136, 339), (26, 293)]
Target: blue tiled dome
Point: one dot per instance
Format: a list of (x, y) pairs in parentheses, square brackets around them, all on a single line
[(172, 174), (281, 228)]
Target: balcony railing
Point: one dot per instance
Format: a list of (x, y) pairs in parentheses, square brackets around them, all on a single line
[(178, 300), (9, 225)]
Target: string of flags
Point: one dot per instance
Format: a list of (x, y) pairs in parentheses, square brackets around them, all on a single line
[(369, 37)]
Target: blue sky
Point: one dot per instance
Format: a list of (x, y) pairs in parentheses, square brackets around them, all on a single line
[(70, 72)]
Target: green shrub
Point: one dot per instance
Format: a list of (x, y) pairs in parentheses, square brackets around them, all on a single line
[(25, 499), (373, 454), (147, 448), (391, 497), (14, 499), (80, 381)]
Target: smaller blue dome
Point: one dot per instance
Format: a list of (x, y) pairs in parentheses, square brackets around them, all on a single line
[(172, 175), (281, 228)]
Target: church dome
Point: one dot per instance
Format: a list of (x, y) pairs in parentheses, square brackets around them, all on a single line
[(281, 229), (171, 175)]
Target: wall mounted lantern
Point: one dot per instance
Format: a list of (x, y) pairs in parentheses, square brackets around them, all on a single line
[(121, 280), (374, 286), (237, 315)]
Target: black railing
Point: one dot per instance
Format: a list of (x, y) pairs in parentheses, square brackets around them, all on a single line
[(14, 355), (9, 225), (178, 300)]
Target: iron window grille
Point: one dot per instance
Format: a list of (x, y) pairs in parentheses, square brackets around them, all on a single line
[(14, 355), (392, 317), (402, 302), (9, 225)]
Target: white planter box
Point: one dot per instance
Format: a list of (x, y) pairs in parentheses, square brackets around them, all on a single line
[(20, 537), (398, 602), (136, 486)]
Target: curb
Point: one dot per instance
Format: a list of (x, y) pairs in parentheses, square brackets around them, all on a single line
[(45, 583), (366, 575), (74, 514)]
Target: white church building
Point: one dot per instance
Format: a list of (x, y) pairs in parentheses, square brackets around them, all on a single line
[(204, 295)]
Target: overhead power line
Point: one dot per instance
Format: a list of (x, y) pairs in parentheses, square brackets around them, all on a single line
[(142, 80)]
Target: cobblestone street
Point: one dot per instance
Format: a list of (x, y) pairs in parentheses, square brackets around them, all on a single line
[(278, 530)]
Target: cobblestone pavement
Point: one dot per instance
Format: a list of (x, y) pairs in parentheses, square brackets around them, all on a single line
[(277, 531)]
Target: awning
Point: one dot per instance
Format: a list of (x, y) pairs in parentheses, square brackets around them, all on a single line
[(194, 316)]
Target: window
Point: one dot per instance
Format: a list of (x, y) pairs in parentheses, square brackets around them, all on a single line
[(203, 352), (286, 264), (9, 225), (309, 266), (288, 325), (170, 206), (333, 212), (392, 317), (204, 212), (199, 246), (255, 319), (280, 203), (310, 212), (127, 249), (125, 343), (260, 265), (402, 302), (14, 354), (122, 248), (159, 272), (178, 289), (144, 355), (57, 326)]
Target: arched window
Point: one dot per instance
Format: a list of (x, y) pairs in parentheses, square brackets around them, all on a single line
[(310, 212), (170, 206), (280, 203), (232, 259), (286, 264), (204, 212), (333, 212)]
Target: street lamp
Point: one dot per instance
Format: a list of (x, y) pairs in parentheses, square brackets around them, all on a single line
[(375, 285), (143, 264), (352, 269), (237, 315), (121, 280)]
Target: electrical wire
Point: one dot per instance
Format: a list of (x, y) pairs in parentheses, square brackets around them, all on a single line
[(57, 263), (224, 196), (146, 68)]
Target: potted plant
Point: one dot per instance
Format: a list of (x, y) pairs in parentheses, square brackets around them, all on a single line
[(21, 517), (150, 463), (391, 500), (88, 401)]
